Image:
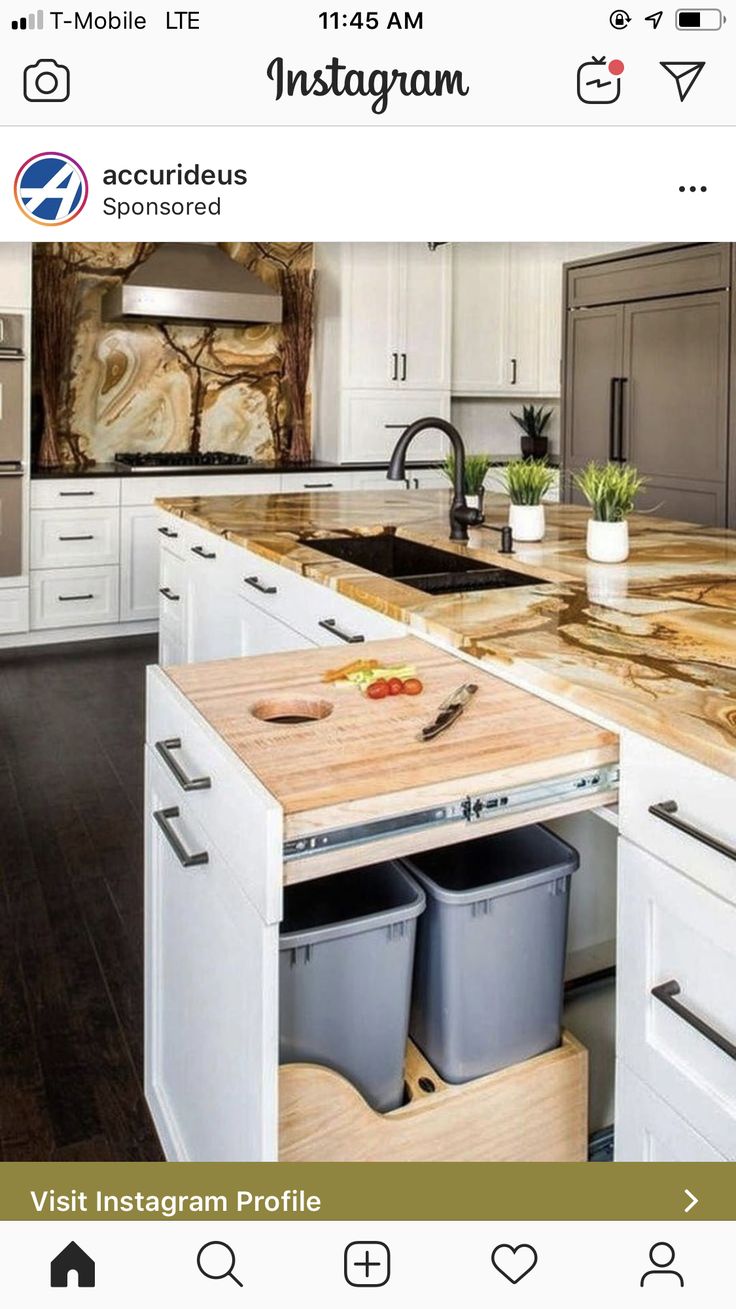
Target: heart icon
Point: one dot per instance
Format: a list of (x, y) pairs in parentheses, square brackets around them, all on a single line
[(514, 1261)]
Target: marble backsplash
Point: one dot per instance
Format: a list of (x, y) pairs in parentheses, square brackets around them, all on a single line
[(100, 388)]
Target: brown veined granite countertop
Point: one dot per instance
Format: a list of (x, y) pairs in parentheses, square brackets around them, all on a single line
[(648, 645)]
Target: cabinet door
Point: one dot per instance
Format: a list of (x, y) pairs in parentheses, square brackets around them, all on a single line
[(593, 358), (425, 311), (373, 422), (648, 1131), (371, 331), (676, 401), (211, 996), (212, 619), (261, 633), (139, 562), (481, 291)]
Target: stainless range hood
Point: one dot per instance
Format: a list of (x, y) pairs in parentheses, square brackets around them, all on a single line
[(191, 283)]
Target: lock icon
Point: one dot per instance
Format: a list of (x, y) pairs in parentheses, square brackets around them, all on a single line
[(620, 19)]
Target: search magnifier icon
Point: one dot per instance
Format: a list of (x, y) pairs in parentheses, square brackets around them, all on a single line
[(216, 1260)]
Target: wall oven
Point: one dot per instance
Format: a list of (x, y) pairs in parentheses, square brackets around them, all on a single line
[(12, 375)]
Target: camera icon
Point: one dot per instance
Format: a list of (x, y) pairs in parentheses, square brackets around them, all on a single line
[(46, 80)]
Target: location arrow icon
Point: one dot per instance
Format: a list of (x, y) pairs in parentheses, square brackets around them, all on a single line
[(685, 75), (654, 19)]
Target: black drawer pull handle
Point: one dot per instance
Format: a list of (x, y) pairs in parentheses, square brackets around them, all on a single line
[(71, 493), (76, 597), (164, 748), (163, 818), (666, 994), (514, 371), (330, 625), (168, 531), (203, 554), (168, 593), (258, 585), (666, 811), (77, 538), (315, 486), (403, 367)]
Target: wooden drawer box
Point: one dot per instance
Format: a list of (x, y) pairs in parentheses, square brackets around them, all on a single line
[(648, 1131), (646, 277), (532, 1112), (653, 776), (68, 538), (74, 492), (675, 993), (213, 790), (74, 597)]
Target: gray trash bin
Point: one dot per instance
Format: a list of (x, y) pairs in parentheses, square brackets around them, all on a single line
[(490, 955), (345, 968)]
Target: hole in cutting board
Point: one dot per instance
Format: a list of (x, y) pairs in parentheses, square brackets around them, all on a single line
[(286, 710)]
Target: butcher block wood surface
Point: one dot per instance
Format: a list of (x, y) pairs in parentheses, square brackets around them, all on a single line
[(361, 757), (533, 1112)]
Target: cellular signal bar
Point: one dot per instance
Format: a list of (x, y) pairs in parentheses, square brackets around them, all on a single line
[(33, 23)]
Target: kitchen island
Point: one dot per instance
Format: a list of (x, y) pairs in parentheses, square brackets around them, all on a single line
[(644, 649)]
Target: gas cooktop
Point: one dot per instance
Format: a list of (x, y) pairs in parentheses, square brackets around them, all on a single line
[(181, 459)]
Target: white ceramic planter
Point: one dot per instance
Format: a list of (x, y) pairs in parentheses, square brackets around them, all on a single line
[(526, 522), (607, 543), (475, 501)]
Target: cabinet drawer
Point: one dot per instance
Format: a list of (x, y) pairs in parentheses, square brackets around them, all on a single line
[(677, 947), (146, 490), (374, 420), (332, 619), (74, 597), (172, 597), (75, 492), (645, 277), (332, 481), (653, 776), (239, 816), (13, 610), (172, 534), (69, 538), (649, 1131)]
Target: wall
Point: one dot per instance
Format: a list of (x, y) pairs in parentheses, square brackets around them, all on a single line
[(486, 424), (146, 386)]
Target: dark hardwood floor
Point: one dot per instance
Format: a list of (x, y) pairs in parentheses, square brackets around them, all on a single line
[(71, 902)]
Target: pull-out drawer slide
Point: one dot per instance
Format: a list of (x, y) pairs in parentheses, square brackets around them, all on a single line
[(469, 809)]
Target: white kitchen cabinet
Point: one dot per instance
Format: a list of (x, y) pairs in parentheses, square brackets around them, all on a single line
[(211, 993), (372, 422), (676, 979), (14, 610), (16, 277), (331, 480), (382, 333), (649, 1131), (78, 493), (74, 597), (261, 633), (139, 562), (68, 538)]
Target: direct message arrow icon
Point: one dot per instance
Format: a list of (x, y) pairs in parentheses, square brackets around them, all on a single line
[(685, 75)]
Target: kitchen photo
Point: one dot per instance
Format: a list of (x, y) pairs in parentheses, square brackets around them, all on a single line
[(368, 702)]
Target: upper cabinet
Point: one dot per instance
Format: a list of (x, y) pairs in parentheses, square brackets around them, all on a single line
[(15, 275)]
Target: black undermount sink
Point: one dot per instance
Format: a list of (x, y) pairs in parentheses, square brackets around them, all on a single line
[(438, 572)]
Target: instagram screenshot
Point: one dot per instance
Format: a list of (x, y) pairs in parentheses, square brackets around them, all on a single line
[(367, 653)]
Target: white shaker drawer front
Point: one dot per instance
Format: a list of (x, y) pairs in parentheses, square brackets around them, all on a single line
[(648, 1131), (13, 610), (64, 538), (335, 620), (237, 813), (74, 597), (332, 481), (75, 492), (676, 983), (680, 810), (144, 490)]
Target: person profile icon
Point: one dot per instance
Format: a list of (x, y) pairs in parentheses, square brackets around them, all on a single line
[(662, 1255)]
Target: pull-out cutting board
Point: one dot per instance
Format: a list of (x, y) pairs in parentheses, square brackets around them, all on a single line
[(362, 762)]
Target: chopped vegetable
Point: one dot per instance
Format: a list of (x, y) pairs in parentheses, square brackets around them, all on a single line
[(412, 686), (395, 686), (377, 690), (357, 666)]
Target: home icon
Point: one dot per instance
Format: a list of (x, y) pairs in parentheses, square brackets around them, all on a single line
[(72, 1259)]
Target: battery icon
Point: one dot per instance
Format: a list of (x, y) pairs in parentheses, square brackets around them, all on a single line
[(699, 20)]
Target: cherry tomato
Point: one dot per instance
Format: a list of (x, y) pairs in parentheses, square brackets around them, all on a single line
[(395, 686), (412, 686), (377, 690)]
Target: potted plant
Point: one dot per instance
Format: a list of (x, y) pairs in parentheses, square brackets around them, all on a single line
[(533, 423), (611, 491), (476, 467), (527, 481)]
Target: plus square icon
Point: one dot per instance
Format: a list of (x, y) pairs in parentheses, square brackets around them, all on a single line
[(367, 1263)]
